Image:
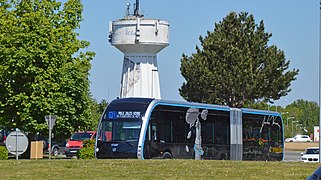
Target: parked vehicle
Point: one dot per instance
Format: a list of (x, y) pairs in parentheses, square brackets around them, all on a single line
[(4, 132), (310, 154), (3, 135), (44, 141), (74, 144), (57, 146), (299, 138)]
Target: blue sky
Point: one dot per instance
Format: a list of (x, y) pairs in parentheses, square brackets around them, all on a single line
[(294, 25)]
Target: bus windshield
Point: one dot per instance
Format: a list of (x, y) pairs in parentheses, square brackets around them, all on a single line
[(120, 130), (122, 121)]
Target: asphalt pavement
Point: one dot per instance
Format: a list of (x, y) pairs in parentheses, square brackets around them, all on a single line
[(292, 156)]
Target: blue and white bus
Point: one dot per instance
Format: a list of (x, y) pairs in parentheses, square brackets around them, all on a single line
[(146, 128)]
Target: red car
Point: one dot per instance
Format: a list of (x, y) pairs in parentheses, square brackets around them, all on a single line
[(75, 142)]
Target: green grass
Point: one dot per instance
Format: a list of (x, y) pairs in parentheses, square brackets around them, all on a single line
[(152, 169)]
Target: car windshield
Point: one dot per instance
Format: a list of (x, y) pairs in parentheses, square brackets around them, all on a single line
[(312, 151), (81, 136)]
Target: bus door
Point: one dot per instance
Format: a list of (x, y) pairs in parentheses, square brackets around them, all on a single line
[(152, 146)]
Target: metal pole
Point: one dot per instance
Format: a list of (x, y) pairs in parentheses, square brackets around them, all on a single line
[(320, 83), (17, 145), (292, 128), (136, 11), (49, 146), (152, 88)]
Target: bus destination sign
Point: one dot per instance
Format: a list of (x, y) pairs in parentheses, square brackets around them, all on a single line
[(124, 114)]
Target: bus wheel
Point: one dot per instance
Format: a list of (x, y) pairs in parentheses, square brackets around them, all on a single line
[(167, 155), (223, 156)]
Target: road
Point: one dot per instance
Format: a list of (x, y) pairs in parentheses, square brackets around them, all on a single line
[(292, 155)]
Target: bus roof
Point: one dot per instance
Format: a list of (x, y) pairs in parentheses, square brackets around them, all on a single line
[(150, 101), (191, 104), (262, 112)]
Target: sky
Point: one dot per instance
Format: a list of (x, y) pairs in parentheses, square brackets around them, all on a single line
[(294, 24)]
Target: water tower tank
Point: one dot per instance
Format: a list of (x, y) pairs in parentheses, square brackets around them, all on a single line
[(140, 39)]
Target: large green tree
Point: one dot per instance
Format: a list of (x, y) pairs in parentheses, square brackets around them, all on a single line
[(43, 69), (236, 65)]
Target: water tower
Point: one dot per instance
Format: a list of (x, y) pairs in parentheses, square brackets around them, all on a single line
[(140, 39)]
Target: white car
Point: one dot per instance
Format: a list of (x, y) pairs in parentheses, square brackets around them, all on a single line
[(299, 138), (310, 154)]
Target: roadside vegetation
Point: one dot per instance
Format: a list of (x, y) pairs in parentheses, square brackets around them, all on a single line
[(44, 68), (153, 169), (299, 117)]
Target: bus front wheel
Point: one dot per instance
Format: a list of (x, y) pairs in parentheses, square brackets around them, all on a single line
[(167, 155)]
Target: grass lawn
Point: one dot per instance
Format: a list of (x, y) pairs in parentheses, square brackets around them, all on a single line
[(152, 169)]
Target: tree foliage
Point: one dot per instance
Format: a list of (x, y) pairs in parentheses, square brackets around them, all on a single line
[(236, 65), (43, 69), (302, 114), (98, 109), (299, 117)]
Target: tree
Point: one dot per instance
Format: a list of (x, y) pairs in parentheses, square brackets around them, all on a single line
[(305, 114), (236, 65), (98, 109), (43, 69), (102, 105)]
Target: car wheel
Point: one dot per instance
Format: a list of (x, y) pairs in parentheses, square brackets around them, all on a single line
[(55, 152), (291, 140)]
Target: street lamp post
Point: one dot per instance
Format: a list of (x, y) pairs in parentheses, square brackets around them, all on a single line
[(300, 127), (287, 120)]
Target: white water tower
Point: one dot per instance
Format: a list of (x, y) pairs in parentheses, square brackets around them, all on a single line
[(140, 39)]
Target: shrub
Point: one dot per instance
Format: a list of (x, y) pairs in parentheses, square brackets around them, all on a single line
[(89, 143), (3, 153), (87, 152)]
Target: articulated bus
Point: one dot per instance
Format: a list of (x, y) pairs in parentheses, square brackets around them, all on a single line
[(146, 128)]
